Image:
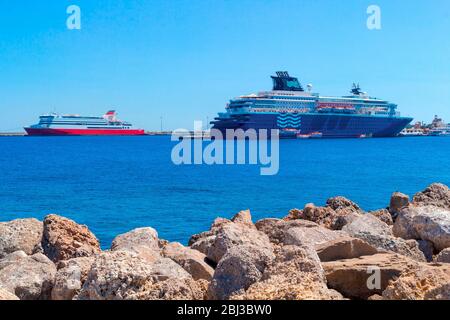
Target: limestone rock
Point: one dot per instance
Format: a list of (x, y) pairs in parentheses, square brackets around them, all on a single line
[(5, 295), (398, 201), (224, 235), (202, 239), (443, 256), (266, 225), (239, 268), (64, 239), (114, 276), (368, 224), (335, 215), (294, 214), (193, 261), (11, 258), (383, 215), (296, 274), (344, 248), (421, 283), (138, 237), (407, 248), (172, 289), (243, 217), (298, 232), (143, 241), (124, 275), (70, 277), (22, 234), (355, 278), (426, 223), (427, 249), (379, 235), (436, 194), (28, 277)]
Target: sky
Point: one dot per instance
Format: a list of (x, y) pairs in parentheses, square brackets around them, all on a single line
[(182, 60)]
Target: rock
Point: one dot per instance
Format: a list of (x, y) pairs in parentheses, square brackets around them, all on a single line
[(172, 289), (123, 275), (5, 295), (421, 283), (436, 194), (407, 248), (355, 278), (294, 214), (338, 203), (239, 268), (216, 225), (404, 226), (143, 241), (383, 215), (378, 234), (63, 239), (299, 232), (443, 256), (224, 235), (427, 249), (266, 225), (147, 237), (296, 274), (12, 258), (114, 276), (344, 248), (424, 223), (28, 277), (398, 201), (70, 277), (193, 261), (20, 235), (335, 215), (368, 224), (375, 297), (243, 217)]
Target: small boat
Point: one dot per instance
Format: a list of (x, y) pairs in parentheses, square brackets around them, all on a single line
[(288, 133), (316, 135), (440, 132)]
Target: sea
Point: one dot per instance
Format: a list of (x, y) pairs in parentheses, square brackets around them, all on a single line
[(116, 184)]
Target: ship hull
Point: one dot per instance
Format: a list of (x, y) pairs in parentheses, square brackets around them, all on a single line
[(329, 125), (83, 132)]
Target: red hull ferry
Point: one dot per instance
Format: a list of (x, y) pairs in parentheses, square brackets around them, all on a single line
[(75, 125)]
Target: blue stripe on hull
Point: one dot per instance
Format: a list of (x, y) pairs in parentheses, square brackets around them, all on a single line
[(330, 125)]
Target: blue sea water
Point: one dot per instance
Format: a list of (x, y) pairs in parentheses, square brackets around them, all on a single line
[(115, 184)]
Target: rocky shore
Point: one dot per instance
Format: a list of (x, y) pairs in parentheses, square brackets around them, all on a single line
[(336, 252)]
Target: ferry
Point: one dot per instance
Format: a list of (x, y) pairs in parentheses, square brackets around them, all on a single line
[(289, 108), (75, 125)]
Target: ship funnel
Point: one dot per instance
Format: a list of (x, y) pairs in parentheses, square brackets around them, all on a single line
[(110, 115)]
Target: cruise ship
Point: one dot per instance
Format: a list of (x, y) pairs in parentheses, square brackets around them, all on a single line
[(76, 125), (301, 113)]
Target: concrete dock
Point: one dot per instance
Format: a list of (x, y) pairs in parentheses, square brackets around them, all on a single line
[(12, 134)]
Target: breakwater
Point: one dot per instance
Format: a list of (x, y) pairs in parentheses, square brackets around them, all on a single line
[(334, 252)]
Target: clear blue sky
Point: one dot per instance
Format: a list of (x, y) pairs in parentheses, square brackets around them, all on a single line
[(183, 59)]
